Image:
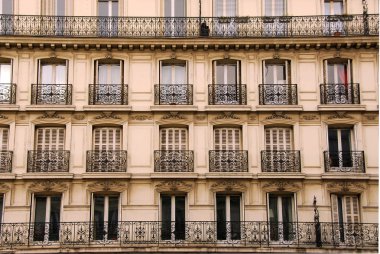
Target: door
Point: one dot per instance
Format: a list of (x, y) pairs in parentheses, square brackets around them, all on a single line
[(175, 13), (228, 217), (281, 217), (224, 12), (108, 12), (274, 22), (226, 80), (6, 23), (106, 217), (1, 208), (340, 144), (173, 217), (47, 213), (49, 145), (333, 9)]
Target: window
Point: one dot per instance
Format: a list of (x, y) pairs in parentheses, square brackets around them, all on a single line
[(109, 71), (174, 13), (173, 72), (47, 213), (340, 147), (334, 7), (278, 139), (173, 214), (53, 7), (107, 11), (7, 89), (276, 71), (226, 71), (4, 137), (281, 217), (173, 139), (225, 12), (1, 208), (52, 71), (337, 71), (345, 212), (6, 6), (228, 216), (106, 216), (275, 7), (50, 138), (107, 138), (227, 139), (334, 25), (224, 8)]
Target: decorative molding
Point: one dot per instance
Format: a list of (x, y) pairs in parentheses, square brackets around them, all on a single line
[(371, 117), (276, 55), (278, 115), (309, 117), (50, 115), (226, 115), (48, 185), (228, 185), (345, 186), (173, 185), (79, 117), (280, 185), (107, 115), (3, 116), (116, 186), (200, 117), (141, 117), (173, 115), (340, 115), (4, 188), (252, 117)]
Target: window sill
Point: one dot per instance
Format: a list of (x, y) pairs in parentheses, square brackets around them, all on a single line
[(9, 107), (106, 175), (7, 176), (345, 175), (174, 108), (107, 108), (343, 107), (48, 175), (229, 175), (50, 108), (174, 175), (279, 107), (285, 175), (228, 108)]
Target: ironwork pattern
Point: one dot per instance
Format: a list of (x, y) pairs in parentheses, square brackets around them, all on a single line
[(280, 161), (153, 27), (7, 93), (173, 94), (227, 94), (140, 233), (48, 161), (52, 94), (338, 161), (278, 94), (228, 160), (6, 161), (340, 93), (108, 94), (106, 161), (173, 161)]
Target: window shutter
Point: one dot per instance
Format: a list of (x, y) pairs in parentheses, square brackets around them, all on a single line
[(173, 139), (107, 139), (352, 209), (227, 139), (50, 139), (4, 136), (334, 208), (278, 139)]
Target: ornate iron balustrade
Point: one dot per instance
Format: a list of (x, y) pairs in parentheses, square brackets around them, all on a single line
[(6, 161), (228, 161), (191, 233), (153, 27), (51, 94), (340, 93), (278, 94), (227, 94), (106, 161), (7, 93), (108, 94), (173, 161), (173, 94), (48, 161), (338, 161), (280, 161)]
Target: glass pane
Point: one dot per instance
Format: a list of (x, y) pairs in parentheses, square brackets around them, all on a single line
[(330, 74), (46, 74), (287, 218), (231, 73), (180, 74), (166, 217), (115, 74), (327, 7), (281, 74), (39, 219), (230, 8), (179, 8), (115, 8), (273, 218), (235, 217), (60, 75), (103, 8), (269, 74), (268, 8), (338, 7), (340, 216), (279, 8), (55, 213), (60, 11), (219, 75), (7, 6), (342, 73), (166, 74), (221, 217), (346, 147), (218, 8), (98, 217), (333, 140), (113, 217), (1, 208), (102, 74), (168, 8), (5, 73), (180, 218)]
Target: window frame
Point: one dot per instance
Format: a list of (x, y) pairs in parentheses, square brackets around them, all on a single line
[(109, 63), (173, 9), (43, 144), (7, 61), (272, 9), (53, 62), (335, 62), (107, 128), (224, 8), (225, 63), (226, 129), (332, 10), (109, 7), (277, 129), (2, 7), (173, 63), (4, 145), (277, 63), (52, 7)]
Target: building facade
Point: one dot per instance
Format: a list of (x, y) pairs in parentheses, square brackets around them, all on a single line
[(183, 125)]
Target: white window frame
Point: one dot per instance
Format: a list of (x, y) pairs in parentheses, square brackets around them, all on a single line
[(276, 131), (225, 63), (109, 63), (7, 61), (275, 78), (173, 64), (172, 9), (53, 64), (332, 10), (174, 145), (50, 7), (346, 61), (109, 7)]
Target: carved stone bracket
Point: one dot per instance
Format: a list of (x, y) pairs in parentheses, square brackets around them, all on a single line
[(107, 115), (115, 186), (345, 186), (50, 115), (280, 185), (3, 116), (173, 116), (48, 185), (340, 115), (173, 186), (141, 117), (310, 117), (4, 188), (201, 117), (226, 116), (278, 115), (229, 186)]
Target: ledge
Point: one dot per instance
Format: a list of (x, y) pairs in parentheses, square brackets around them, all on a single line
[(228, 108), (174, 108), (345, 175), (9, 107), (233, 175), (48, 175), (340, 107), (283, 175), (50, 107), (174, 175), (279, 108), (7, 176), (107, 108), (106, 175)]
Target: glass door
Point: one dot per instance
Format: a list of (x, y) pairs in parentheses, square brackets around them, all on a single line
[(108, 12), (47, 212), (173, 217), (175, 13), (228, 217), (105, 217), (281, 217), (340, 142)]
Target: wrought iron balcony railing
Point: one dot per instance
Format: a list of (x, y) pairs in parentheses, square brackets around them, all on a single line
[(235, 27), (278, 94), (228, 161), (106, 161), (108, 94), (191, 233), (6, 161), (280, 161), (173, 161), (51, 94), (173, 94), (227, 94), (48, 161), (7, 93), (340, 93), (338, 161)]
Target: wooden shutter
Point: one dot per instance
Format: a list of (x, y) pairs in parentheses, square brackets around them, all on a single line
[(227, 139), (278, 139), (107, 138), (334, 208), (52, 138), (351, 209), (173, 139), (4, 137)]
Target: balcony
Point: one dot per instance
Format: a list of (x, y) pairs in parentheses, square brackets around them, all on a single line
[(106, 161), (228, 161), (108, 94), (278, 94), (173, 161), (252, 234), (338, 161), (340, 93), (227, 94), (7, 93), (48, 161), (280, 161), (6, 161), (190, 27), (51, 94), (173, 94)]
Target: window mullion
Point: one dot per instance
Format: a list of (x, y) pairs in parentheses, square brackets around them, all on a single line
[(48, 208)]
